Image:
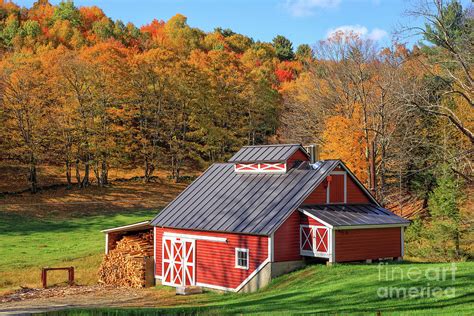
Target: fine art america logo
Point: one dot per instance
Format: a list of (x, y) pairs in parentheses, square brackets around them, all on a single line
[(417, 282)]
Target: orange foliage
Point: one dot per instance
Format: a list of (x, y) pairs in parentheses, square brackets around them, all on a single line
[(41, 12), (284, 75), (156, 29), (287, 70), (343, 139), (89, 15)]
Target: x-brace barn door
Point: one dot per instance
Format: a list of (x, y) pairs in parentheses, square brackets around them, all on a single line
[(179, 256), (315, 241)]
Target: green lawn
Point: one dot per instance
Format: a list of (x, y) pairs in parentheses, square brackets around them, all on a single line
[(28, 243), (341, 289)]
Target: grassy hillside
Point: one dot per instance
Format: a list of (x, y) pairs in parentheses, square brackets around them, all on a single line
[(28, 243), (339, 289), (62, 228)]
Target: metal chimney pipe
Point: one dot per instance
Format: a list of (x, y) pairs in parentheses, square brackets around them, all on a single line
[(313, 151)]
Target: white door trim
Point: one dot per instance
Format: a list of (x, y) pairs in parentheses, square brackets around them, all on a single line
[(316, 218), (195, 237)]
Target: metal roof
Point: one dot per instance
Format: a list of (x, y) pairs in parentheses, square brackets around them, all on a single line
[(131, 227), (354, 214), (266, 153), (223, 200)]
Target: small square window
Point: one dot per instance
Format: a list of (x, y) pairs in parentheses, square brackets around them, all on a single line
[(241, 258)]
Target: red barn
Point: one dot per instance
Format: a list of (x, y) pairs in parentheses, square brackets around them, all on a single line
[(267, 211)]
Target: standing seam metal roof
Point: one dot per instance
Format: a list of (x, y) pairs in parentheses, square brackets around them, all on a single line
[(223, 200), (268, 153), (354, 214)]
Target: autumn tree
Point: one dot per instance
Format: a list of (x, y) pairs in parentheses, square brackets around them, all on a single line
[(149, 84), (26, 104)]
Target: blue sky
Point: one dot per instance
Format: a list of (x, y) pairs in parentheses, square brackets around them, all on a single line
[(302, 21)]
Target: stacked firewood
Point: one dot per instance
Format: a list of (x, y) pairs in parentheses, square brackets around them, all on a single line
[(125, 265)]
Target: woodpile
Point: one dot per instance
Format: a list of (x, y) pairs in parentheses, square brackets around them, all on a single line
[(126, 264)]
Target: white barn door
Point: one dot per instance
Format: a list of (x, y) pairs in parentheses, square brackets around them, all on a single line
[(178, 261), (315, 241)]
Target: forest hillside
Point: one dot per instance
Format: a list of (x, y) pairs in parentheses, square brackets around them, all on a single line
[(87, 96)]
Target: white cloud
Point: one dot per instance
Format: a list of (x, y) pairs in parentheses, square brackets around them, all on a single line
[(301, 8), (375, 34)]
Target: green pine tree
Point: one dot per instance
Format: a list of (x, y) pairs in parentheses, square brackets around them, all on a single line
[(443, 205)]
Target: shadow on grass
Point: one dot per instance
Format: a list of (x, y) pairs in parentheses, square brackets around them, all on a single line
[(12, 223)]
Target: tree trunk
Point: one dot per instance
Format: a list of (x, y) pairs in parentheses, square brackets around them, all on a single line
[(78, 174), (457, 244), (372, 180), (178, 169), (173, 168), (104, 172), (149, 169), (383, 171), (32, 175), (68, 174), (85, 181), (97, 174)]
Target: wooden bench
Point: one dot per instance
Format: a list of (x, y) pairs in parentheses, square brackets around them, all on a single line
[(44, 275)]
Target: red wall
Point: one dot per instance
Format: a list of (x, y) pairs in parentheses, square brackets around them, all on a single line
[(297, 156), (286, 243), (354, 194), (361, 244), (306, 220), (215, 261), (318, 196)]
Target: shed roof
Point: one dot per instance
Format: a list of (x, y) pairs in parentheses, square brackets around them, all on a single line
[(131, 227), (354, 214), (267, 153), (223, 200)]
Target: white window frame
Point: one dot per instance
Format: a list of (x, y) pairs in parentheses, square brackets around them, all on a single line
[(237, 250)]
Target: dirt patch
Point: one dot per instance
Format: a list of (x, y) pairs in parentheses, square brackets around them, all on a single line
[(40, 300), (36, 300)]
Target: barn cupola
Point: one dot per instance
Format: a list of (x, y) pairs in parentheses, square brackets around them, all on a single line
[(269, 158)]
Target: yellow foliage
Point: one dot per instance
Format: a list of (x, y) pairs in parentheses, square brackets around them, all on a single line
[(343, 139)]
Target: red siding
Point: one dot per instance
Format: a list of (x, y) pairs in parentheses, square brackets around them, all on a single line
[(361, 244), (158, 248), (318, 196), (215, 261), (297, 156), (286, 243), (354, 193), (306, 220)]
